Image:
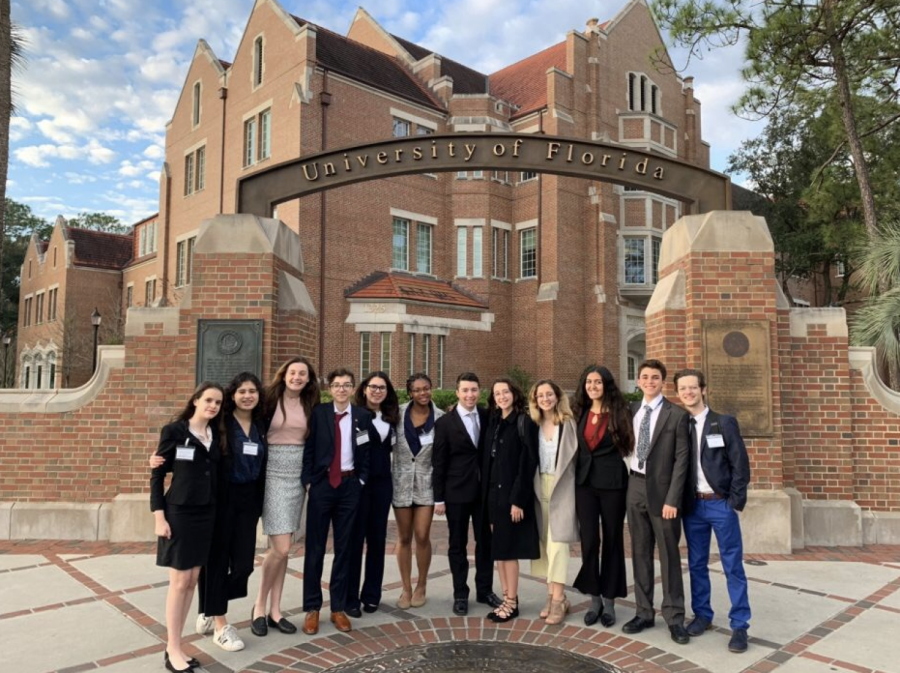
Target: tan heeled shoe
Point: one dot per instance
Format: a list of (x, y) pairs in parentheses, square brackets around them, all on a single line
[(558, 611), (545, 612)]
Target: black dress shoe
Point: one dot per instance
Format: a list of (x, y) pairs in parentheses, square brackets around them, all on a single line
[(192, 664), (461, 607), (491, 599), (590, 617), (370, 607), (738, 642), (258, 626), (282, 625), (637, 625), (608, 619), (354, 612), (679, 634)]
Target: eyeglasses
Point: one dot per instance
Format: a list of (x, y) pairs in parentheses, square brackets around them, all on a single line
[(341, 386), (377, 389)]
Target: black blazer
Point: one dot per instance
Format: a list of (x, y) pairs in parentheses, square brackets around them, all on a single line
[(226, 465), (669, 460), (193, 481), (380, 454), (456, 461), (602, 468), (726, 468), (319, 448), (515, 461)]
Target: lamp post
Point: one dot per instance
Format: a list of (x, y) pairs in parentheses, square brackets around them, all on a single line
[(6, 341), (95, 321)]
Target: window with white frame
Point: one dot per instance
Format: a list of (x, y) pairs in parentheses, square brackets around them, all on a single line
[(640, 259), (411, 362), (184, 261), (426, 354), (195, 171), (470, 175), (477, 252), (258, 137), (528, 253), (470, 230), (147, 239), (527, 176), (149, 291), (499, 253), (655, 247), (440, 360), (386, 353), (400, 244), (423, 247), (500, 176), (365, 352), (129, 295), (462, 265), (258, 61), (401, 128)]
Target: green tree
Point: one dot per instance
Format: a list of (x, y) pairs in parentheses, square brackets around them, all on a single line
[(98, 222), (800, 51), (21, 223)]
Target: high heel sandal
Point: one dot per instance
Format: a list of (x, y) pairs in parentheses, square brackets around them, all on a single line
[(508, 610), (558, 610), (546, 611)]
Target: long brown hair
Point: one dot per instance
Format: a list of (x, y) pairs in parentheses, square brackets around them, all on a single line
[(561, 411), (215, 423), (613, 403), (309, 396)]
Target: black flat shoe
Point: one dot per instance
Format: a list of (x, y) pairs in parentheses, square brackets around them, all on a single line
[(192, 664), (607, 619), (637, 625), (282, 625), (370, 608), (258, 626), (590, 618), (356, 613), (461, 607), (491, 599)]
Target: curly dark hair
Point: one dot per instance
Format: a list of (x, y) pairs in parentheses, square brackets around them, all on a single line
[(259, 411), (612, 402), (390, 408), (520, 403)]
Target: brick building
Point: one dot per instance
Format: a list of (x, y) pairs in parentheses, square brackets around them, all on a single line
[(447, 271)]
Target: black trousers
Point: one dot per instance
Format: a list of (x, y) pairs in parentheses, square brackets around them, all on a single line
[(458, 517), (329, 508), (602, 554), (649, 529), (370, 529), (233, 551)]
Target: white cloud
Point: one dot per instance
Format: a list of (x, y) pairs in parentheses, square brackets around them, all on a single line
[(51, 129), (39, 155), (153, 175), (19, 127), (79, 178), (56, 8), (155, 152), (130, 170)]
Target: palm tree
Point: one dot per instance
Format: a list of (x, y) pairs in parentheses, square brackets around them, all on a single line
[(877, 323)]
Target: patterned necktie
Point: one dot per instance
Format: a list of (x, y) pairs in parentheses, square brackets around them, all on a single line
[(475, 430), (334, 472), (643, 447)]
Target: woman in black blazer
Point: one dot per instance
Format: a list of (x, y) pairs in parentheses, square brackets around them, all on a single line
[(191, 447), (605, 438)]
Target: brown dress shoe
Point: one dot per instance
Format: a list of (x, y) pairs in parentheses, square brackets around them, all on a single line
[(341, 621), (311, 623)]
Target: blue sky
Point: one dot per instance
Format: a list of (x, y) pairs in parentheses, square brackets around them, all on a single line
[(102, 77)]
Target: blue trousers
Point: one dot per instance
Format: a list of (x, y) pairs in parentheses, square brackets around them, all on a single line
[(709, 516)]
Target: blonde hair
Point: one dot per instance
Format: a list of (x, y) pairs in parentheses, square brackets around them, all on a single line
[(562, 412)]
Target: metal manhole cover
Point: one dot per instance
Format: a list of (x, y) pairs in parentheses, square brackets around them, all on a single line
[(475, 657)]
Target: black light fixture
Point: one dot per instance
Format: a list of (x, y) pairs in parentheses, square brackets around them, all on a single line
[(95, 321)]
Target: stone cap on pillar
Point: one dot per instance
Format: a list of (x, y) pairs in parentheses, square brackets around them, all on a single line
[(251, 234), (715, 231)]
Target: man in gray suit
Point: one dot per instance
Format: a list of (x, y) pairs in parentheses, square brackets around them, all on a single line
[(658, 469)]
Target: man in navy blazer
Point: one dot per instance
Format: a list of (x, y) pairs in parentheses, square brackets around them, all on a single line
[(716, 491), (335, 465)]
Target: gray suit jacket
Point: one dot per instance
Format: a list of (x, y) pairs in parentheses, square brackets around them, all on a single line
[(669, 458), (412, 475)]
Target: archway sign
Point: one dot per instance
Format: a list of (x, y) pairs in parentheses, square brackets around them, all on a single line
[(705, 190)]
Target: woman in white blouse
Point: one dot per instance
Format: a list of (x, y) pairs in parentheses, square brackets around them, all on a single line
[(555, 489)]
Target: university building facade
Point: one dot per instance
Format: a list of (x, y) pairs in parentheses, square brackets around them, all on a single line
[(480, 270)]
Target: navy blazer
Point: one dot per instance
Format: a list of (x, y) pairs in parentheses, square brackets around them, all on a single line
[(456, 460), (727, 468), (318, 451)]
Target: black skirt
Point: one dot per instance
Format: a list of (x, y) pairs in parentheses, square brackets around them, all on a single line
[(511, 541), (192, 532)]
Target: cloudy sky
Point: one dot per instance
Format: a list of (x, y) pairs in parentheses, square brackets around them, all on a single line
[(102, 76)]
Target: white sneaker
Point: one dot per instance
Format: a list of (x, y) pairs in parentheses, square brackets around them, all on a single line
[(228, 639), (205, 625)]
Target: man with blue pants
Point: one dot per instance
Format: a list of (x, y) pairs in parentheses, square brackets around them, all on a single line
[(715, 491)]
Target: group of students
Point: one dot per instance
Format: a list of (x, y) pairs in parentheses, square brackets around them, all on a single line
[(532, 473)]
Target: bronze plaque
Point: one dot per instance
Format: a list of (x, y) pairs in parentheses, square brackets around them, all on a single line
[(738, 370), (226, 348)]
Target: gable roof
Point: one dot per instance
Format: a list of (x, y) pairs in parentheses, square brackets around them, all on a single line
[(466, 80), (402, 286), (100, 249), (525, 83), (369, 66)]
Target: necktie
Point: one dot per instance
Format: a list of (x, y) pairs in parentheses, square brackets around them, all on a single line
[(334, 472), (475, 429), (695, 448), (643, 447)]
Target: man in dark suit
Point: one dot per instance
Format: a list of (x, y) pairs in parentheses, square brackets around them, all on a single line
[(335, 465), (716, 491), (659, 466), (458, 447)]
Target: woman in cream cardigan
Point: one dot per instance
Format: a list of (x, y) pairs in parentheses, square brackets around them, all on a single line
[(554, 486)]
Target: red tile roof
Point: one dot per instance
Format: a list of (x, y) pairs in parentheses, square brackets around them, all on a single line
[(381, 285), (370, 66), (465, 79), (525, 83), (100, 249)]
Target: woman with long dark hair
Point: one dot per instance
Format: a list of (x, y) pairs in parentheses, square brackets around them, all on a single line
[(375, 393), (191, 447), (290, 399), (605, 438), (509, 464), (412, 473)]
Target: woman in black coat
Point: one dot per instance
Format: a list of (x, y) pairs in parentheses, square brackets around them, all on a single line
[(191, 448), (510, 461), (605, 438)]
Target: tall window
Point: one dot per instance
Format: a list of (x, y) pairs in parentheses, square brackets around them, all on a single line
[(147, 239), (184, 261), (423, 248), (426, 354), (634, 260), (477, 247), (195, 171), (401, 128), (461, 251), (250, 141), (528, 253), (149, 291), (386, 353), (51, 377), (400, 245), (38, 308), (365, 352), (51, 305), (40, 373), (411, 364), (27, 317), (440, 360), (643, 94), (655, 245), (265, 134), (129, 296), (500, 253), (258, 137), (258, 61), (195, 113)]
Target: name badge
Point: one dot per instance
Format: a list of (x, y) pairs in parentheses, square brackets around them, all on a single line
[(251, 449), (362, 438), (393, 440), (715, 441), (427, 438), (184, 453)]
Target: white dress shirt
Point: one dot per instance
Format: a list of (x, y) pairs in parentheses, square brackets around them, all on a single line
[(470, 422), (702, 485), (346, 439), (655, 407)]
